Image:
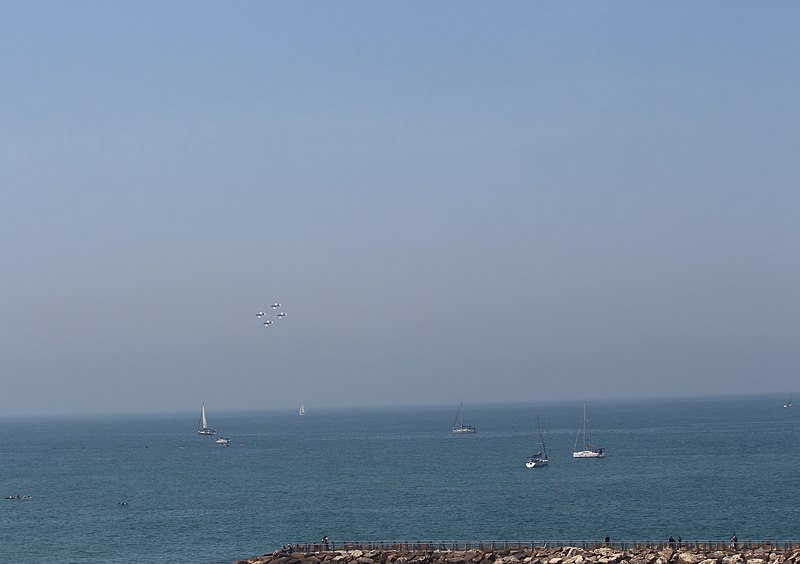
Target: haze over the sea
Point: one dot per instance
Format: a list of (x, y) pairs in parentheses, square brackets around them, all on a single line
[(499, 202)]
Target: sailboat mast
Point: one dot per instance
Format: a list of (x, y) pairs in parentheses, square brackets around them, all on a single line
[(459, 416), (541, 437), (585, 440)]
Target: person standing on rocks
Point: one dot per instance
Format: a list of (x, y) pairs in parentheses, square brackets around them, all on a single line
[(734, 541), (325, 542)]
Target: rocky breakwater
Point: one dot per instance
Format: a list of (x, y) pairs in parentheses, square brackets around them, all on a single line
[(561, 555)]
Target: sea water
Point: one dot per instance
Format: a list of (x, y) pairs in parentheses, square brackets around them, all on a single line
[(150, 489)]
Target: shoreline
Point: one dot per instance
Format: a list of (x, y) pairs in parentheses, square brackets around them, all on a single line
[(595, 553)]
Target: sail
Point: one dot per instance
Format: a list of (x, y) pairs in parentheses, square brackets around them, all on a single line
[(204, 430)]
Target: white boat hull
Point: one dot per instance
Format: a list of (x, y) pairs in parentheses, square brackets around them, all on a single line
[(599, 453), (464, 430), (535, 463)]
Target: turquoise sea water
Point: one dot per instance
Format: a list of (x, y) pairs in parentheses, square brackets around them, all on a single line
[(702, 469)]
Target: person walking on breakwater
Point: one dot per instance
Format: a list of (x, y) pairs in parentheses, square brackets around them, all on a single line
[(671, 542), (325, 542), (734, 541)]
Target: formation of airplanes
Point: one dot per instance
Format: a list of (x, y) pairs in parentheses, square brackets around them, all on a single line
[(266, 321)]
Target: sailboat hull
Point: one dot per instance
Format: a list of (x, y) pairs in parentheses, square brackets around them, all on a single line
[(535, 463), (598, 453), (465, 429)]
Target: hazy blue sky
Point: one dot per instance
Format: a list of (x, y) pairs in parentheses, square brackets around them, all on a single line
[(500, 201)]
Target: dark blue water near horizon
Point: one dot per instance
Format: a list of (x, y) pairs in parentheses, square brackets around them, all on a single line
[(702, 469)]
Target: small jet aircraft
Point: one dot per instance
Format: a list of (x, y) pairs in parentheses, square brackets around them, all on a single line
[(268, 322), (260, 314), (276, 305), (281, 314)]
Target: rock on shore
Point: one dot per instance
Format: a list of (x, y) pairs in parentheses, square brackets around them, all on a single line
[(560, 555)]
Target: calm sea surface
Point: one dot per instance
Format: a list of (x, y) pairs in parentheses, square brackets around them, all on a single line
[(702, 469)]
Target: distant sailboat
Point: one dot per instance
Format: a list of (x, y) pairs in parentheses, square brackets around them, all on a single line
[(223, 441), (204, 429), (461, 428), (588, 451), (788, 403), (540, 458), (302, 410)]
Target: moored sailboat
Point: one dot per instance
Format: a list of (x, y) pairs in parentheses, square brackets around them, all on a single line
[(540, 458), (588, 451), (302, 410), (461, 428)]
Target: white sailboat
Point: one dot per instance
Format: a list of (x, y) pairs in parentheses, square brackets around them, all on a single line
[(302, 410), (540, 458), (788, 403), (223, 441), (461, 428), (204, 428), (588, 451)]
